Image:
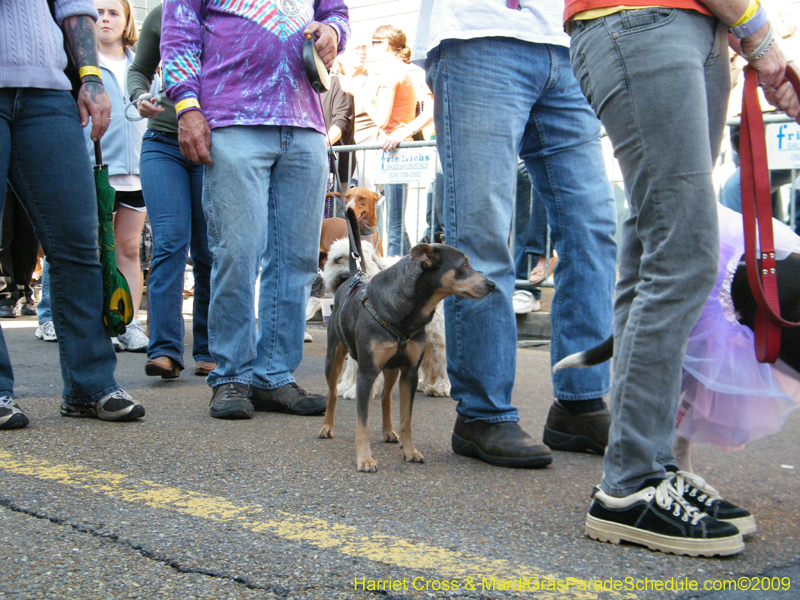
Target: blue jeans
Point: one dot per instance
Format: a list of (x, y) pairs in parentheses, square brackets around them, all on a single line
[(43, 154), (530, 236), (263, 197), (173, 192), (434, 211), (659, 80), (396, 195), (43, 312), (525, 102)]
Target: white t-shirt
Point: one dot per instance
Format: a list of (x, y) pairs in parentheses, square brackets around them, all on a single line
[(538, 21)]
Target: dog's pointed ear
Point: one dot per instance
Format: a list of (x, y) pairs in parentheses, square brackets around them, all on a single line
[(337, 194), (375, 196), (426, 255)]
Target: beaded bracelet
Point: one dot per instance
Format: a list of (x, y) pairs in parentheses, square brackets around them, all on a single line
[(91, 79), (763, 47)]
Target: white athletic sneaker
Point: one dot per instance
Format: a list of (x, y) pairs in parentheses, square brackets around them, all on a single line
[(313, 306), (524, 302), (134, 339), (46, 332)]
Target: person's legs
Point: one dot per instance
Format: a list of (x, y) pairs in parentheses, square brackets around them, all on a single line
[(201, 269), (296, 197), (398, 244), (478, 118), (54, 183), (45, 331), (128, 224), (166, 185), (628, 65)]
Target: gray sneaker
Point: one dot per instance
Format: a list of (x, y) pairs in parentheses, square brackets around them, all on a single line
[(134, 339), (229, 401), (116, 406), (46, 332), (289, 398), (11, 415)]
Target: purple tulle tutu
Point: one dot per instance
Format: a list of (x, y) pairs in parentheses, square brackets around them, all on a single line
[(728, 398)]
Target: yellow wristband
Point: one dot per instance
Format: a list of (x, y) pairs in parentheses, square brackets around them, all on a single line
[(89, 70), (748, 13), (187, 103)]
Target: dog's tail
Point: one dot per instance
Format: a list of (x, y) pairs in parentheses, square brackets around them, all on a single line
[(356, 255), (588, 358)]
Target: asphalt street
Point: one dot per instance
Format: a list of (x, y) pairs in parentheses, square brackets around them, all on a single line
[(180, 505)]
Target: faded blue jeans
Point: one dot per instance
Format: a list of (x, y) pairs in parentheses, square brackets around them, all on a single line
[(525, 102), (659, 80), (173, 189), (43, 155), (263, 197)]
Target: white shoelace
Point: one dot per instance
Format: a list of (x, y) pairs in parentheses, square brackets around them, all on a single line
[(667, 496), (696, 486), (6, 401)]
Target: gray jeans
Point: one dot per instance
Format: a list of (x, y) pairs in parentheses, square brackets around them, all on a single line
[(659, 81)]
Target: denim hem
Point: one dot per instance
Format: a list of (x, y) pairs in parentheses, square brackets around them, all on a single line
[(175, 357), (94, 398), (507, 419), (584, 396), (223, 380), (268, 385), (203, 358)]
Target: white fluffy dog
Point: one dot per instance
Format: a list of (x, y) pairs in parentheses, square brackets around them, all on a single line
[(433, 379)]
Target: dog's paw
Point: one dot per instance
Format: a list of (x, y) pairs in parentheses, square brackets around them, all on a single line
[(440, 389), (367, 465), (414, 456), (325, 432), (391, 437)]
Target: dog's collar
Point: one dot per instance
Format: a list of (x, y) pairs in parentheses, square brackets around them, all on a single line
[(369, 231), (394, 330)]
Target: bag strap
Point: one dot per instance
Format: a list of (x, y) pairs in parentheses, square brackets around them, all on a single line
[(757, 217)]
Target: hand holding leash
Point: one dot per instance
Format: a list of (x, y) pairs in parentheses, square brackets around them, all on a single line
[(326, 43)]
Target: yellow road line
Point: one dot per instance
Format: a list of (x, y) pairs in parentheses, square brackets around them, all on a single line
[(419, 558)]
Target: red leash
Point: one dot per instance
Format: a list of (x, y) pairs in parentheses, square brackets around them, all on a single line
[(757, 216)]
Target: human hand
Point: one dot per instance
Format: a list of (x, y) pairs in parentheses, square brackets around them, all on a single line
[(94, 102), (326, 43), (147, 106), (194, 137), (772, 65), (785, 96), (397, 137)]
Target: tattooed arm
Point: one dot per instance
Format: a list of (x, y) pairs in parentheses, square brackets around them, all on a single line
[(79, 31)]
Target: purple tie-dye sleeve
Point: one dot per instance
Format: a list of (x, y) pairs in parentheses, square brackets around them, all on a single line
[(181, 47), (335, 14)]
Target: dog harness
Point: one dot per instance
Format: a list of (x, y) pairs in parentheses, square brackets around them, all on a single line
[(394, 330), (358, 279)]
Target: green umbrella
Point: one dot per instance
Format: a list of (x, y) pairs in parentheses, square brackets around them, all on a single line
[(117, 304)]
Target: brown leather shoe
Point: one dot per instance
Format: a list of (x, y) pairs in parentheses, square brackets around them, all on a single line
[(164, 366), (203, 367), (585, 432), (502, 444)]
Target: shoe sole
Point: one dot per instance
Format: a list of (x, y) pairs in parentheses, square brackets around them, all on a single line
[(15, 421), (45, 338), (85, 412), (238, 411), (470, 449), (155, 370), (745, 525), (606, 531), (267, 406), (564, 442)]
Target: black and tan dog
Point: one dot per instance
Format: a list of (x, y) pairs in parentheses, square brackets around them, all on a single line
[(381, 323)]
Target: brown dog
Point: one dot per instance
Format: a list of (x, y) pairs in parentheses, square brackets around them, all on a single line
[(333, 228), (363, 202)]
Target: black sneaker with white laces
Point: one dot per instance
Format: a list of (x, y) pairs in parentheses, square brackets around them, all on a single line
[(705, 498), (659, 518)]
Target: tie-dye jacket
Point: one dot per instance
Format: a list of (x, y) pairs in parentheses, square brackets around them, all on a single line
[(242, 59)]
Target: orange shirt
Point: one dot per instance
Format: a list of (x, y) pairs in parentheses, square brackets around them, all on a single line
[(404, 107), (573, 7)]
